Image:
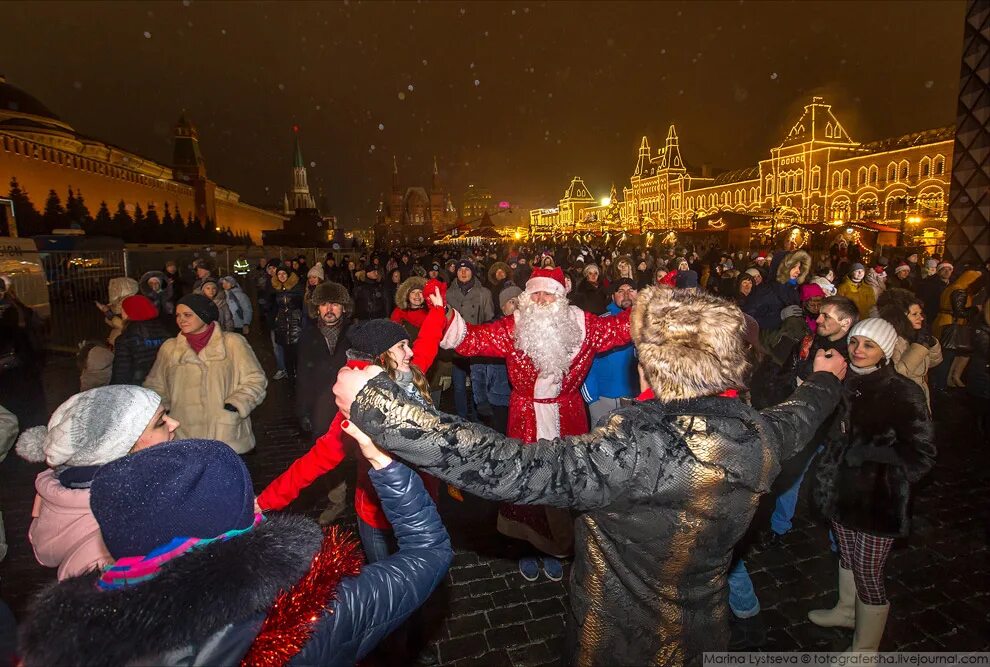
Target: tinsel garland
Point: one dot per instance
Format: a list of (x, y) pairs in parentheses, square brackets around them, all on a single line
[(294, 614)]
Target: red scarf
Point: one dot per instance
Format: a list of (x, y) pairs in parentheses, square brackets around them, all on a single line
[(198, 341), (648, 395)]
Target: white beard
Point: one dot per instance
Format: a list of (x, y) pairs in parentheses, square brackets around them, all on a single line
[(548, 335)]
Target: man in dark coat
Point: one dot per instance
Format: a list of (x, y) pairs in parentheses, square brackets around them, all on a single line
[(371, 301), (322, 352), (663, 489)]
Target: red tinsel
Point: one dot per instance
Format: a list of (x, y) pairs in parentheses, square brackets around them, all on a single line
[(291, 619)]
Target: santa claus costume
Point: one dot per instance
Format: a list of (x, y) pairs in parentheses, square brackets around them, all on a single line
[(548, 349)]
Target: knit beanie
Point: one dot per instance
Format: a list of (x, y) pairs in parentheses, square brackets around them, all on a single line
[(331, 292), (204, 308), (621, 282), (374, 337), (856, 266), (507, 294), (184, 488), (92, 427), (810, 291), (139, 308), (879, 331), (465, 263), (753, 271), (931, 264), (316, 271)]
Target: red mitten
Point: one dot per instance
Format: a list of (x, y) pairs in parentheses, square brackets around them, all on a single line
[(435, 287)]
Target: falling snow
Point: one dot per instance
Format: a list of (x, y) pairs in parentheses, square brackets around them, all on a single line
[(929, 83), (477, 82), (773, 76), (147, 35), (410, 88), (402, 95), (381, 126), (312, 164)]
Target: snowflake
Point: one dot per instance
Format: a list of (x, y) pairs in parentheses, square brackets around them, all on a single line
[(409, 88), (381, 126), (425, 63), (186, 3), (402, 95), (147, 35), (471, 65), (773, 76), (463, 11), (223, 31), (477, 82), (312, 164), (77, 85), (281, 86), (318, 107), (513, 12), (929, 84)]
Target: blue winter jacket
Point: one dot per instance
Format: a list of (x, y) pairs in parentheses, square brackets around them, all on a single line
[(613, 373), (207, 606)]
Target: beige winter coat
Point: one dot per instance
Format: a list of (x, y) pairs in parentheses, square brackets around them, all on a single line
[(913, 361), (194, 388)]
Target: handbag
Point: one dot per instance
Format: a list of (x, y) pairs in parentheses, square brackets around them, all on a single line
[(958, 338)]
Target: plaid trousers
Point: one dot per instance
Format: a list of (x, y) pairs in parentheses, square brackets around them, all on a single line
[(866, 556)]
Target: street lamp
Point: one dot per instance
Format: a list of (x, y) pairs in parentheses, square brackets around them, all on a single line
[(907, 201)]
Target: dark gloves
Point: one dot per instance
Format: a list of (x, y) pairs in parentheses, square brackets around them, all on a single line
[(229, 407), (923, 337)]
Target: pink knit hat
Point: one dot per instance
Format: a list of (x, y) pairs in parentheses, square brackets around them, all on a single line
[(810, 291)]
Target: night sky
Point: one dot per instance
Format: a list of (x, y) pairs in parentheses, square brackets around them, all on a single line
[(516, 97)]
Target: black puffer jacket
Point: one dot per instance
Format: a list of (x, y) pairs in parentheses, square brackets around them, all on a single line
[(135, 351), (206, 607), (883, 442), (663, 492), (288, 307), (371, 301)]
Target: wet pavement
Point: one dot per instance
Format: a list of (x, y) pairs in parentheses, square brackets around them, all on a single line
[(485, 613)]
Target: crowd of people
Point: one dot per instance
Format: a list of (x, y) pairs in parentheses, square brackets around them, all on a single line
[(625, 409)]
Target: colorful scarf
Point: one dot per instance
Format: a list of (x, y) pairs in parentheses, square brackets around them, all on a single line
[(132, 570)]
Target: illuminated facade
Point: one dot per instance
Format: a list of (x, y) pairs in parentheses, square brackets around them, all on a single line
[(477, 202), (414, 214), (818, 174), (45, 153)]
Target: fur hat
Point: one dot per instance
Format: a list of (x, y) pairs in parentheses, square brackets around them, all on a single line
[(797, 258), (331, 292), (185, 488), (547, 280), (879, 331), (690, 343), (92, 427)]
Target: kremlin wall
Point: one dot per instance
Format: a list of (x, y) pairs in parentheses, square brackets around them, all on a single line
[(45, 153)]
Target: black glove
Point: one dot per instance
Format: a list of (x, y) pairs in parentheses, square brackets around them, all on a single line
[(229, 407), (923, 337)]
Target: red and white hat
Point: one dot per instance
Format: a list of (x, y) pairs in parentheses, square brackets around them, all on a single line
[(547, 280)]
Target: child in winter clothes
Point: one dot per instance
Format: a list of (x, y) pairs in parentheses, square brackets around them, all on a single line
[(88, 430)]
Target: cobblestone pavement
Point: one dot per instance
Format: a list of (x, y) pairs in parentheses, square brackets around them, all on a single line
[(487, 614)]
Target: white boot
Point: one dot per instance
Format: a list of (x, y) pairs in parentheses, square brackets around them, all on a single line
[(870, 622), (843, 614)]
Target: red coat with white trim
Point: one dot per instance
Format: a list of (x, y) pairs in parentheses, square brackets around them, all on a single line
[(496, 339)]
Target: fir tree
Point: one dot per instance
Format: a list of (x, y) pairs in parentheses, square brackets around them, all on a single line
[(140, 226), (179, 226), (102, 224), (194, 231), (25, 214), (153, 225), (54, 216), (76, 211), (168, 226), (123, 223)]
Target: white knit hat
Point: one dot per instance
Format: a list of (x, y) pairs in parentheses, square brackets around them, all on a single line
[(317, 271), (879, 331), (91, 428)]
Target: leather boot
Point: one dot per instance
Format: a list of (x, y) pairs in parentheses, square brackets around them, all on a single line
[(843, 614), (870, 622)]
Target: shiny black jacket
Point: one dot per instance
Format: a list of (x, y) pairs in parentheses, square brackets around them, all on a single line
[(135, 350), (206, 607), (662, 491), (288, 320), (883, 442)]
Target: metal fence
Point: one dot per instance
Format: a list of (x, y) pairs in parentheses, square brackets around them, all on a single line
[(77, 279)]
